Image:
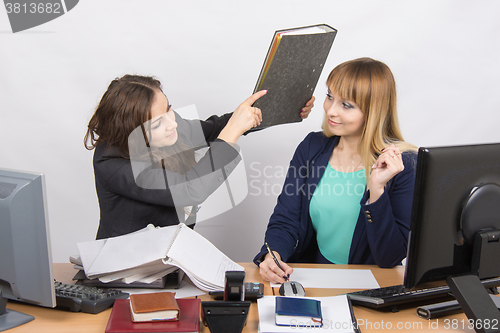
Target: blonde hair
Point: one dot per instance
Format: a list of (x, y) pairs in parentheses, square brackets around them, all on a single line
[(370, 84)]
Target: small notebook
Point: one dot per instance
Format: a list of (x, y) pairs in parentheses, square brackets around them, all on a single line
[(154, 307), (293, 311)]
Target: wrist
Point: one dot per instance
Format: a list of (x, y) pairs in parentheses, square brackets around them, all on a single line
[(375, 193), (229, 135)]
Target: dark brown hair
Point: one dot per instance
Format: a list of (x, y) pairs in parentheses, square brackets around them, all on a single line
[(125, 106)]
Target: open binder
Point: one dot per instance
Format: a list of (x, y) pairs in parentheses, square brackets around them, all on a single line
[(291, 71), (156, 251)]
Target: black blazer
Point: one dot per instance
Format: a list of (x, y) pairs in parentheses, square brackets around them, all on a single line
[(126, 207)]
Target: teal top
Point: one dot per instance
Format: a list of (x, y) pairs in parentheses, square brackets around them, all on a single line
[(334, 211)]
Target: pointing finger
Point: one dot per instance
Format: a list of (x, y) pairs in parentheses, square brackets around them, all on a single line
[(250, 100)]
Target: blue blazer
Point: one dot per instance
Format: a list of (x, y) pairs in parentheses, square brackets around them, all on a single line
[(381, 233)]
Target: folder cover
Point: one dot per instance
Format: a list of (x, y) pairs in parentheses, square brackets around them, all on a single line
[(120, 320), (291, 70), (292, 311)]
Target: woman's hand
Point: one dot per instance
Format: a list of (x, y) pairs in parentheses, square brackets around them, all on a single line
[(387, 165), (244, 118), (271, 272), (307, 108)]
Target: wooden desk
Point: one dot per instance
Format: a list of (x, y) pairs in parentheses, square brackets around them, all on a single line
[(55, 320)]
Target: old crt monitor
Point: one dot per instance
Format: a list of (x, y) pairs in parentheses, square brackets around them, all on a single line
[(455, 226), (25, 255)]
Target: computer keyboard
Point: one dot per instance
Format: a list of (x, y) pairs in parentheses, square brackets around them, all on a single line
[(395, 295), (84, 298)]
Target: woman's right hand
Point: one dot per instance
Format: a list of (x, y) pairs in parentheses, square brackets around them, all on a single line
[(269, 271), (244, 118)]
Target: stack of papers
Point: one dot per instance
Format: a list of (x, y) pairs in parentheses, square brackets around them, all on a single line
[(153, 252)]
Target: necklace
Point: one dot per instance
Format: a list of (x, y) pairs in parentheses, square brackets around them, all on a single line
[(340, 164)]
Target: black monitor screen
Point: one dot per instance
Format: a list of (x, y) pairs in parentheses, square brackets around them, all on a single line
[(439, 244)]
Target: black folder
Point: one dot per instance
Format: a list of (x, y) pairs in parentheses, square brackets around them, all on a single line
[(291, 71)]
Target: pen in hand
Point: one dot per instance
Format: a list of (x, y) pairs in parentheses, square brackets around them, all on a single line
[(276, 261)]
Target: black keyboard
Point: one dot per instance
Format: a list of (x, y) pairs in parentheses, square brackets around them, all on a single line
[(84, 298), (394, 295)]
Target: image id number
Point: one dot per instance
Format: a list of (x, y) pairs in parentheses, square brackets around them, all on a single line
[(33, 8), (471, 323)]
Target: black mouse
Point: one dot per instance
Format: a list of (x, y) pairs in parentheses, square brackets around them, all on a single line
[(292, 288)]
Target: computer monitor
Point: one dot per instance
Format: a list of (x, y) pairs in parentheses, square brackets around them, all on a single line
[(455, 225), (25, 256)]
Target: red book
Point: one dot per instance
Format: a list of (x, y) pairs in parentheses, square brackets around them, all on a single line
[(120, 320)]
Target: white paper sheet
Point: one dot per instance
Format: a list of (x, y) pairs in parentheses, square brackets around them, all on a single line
[(127, 251), (334, 278), (88, 251), (201, 260), (335, 310)]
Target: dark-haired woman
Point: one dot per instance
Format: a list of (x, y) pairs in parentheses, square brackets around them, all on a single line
[(145, 167)]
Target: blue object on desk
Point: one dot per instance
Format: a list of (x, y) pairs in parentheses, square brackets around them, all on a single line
[(292, 311)]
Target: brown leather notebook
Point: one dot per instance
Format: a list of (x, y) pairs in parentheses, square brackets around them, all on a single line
[(154, 306)]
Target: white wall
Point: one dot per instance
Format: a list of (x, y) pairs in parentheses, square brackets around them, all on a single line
[(445, 56)]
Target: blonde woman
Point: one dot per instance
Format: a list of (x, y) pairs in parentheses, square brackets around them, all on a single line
[(348, 193)]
